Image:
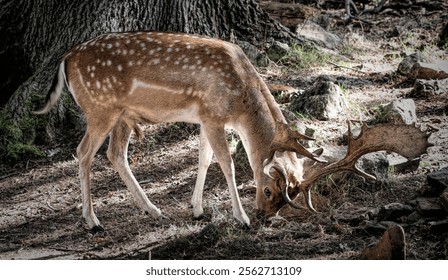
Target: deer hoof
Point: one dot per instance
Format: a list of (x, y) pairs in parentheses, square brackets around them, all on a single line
[(97, 228)]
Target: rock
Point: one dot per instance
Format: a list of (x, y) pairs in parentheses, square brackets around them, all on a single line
[(438, 181), (323, 101), (443, 199), (417, 66), (429, 88), (439, 227), (376, 164), (254, 54), (392, 246), (278, 50), (394, 211), (428, 71), (413, 218), (400, 164), (430, 208), (443, 37), (372, 227), (400, 111), (353, 218), (408, 62), (317, 34)]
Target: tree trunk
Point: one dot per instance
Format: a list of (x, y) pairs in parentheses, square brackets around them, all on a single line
[(39, 32)]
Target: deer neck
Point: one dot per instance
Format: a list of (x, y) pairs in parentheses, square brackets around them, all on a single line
[(258, 128)]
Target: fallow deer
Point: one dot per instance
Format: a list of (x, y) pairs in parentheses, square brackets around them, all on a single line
[(123, 79)]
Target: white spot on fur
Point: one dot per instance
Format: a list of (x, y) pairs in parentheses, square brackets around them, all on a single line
[(136, 84), (119, 67)]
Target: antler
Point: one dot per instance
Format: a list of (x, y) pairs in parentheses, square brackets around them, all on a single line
[(286, 140), (406, 140)]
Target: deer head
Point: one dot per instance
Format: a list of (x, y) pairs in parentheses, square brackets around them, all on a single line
[(406, 140)]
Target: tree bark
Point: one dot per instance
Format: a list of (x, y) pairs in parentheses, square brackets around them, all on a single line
[(39, 32)]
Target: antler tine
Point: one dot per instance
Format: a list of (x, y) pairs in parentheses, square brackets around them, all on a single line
[(287, 140)]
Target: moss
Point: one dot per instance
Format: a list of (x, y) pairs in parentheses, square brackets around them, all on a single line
[(17, 138)]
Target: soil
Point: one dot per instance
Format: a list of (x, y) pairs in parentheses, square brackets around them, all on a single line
[(40, 206)]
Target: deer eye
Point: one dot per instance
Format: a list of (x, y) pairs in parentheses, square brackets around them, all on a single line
[(267, 192)]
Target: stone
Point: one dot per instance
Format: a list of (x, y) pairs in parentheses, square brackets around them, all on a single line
[(323, 101), (443, 37), (418, 66), (408, 62), (317, 34), (392, 246), (443, 199), (370, 227), (438, 227), (438, 181), (413, 218), (394, 211), (428, 71), (430, 208), (429, 88), (353, 218), (255, 56), (375, 164), (278, 50), (400, 111), (400, 164)]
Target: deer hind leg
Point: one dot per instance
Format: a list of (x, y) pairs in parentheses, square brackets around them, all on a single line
[(218, 141), (117, 154), (205, 158), (86, 151)]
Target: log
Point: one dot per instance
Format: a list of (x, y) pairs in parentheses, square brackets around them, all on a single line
[(288, 14)]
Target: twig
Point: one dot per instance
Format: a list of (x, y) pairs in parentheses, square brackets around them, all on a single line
[(350, 68), (9, 175), (51, 207)]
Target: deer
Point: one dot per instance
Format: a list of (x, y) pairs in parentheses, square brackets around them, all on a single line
[(124, 79)]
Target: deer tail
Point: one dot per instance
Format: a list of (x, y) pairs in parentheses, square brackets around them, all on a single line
[(55, 90)]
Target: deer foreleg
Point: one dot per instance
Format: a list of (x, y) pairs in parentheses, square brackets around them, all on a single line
[(205, 158), (218, 142)]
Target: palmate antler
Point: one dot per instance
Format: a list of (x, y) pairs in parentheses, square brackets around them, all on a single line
[(406, 140)]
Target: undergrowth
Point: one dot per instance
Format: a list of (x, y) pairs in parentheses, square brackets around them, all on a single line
[(17, 139)]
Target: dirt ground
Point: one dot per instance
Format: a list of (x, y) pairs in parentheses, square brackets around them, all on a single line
[(40, 205)]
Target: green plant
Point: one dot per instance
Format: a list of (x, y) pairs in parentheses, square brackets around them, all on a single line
[(379, 115), (301, 57), (17, 139)]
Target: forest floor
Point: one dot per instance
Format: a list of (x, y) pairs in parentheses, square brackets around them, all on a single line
[(40, 205)]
